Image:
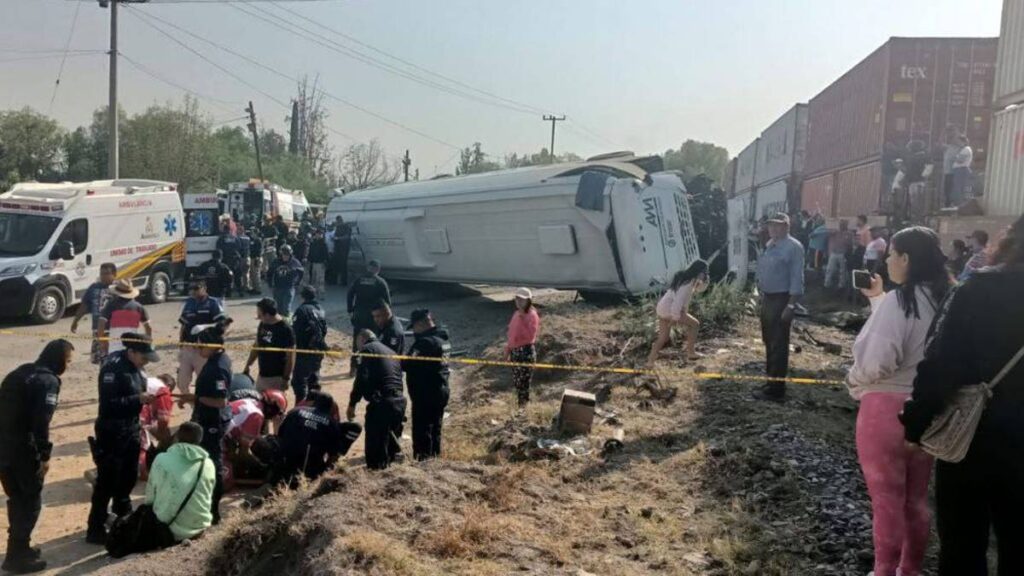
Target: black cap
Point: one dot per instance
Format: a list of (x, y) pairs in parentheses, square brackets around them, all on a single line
[(140, 343), (418, 315)]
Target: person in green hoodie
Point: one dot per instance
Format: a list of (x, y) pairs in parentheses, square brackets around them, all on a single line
[(171, 480)]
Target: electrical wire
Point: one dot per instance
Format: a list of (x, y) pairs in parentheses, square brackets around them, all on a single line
[(144, 17), (317, 38), (216, 102), (46, 57), (60, 71), (517, 106)]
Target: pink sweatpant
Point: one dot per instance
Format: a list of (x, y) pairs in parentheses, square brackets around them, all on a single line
[(897, 480)]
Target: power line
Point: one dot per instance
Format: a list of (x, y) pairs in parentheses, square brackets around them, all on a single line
[(333, 45), (217, 102), (520, 106), (60, 71), (48, 51), (272, 70), (47, 57)]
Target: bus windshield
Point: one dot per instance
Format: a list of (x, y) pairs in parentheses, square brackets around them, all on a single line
[(25, 234)]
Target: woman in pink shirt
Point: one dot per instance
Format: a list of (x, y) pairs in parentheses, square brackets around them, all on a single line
[(522, 338), (674, 309)]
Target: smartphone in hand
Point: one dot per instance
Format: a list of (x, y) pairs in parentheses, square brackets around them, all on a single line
[(862, 279)]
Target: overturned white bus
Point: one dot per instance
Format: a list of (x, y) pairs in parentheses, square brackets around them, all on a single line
[(605, 226)]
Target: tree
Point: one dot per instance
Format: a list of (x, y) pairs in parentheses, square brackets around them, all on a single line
[(30, 146), (708, 212), (695, 158), (310, 127), (365, 166), (169, 143), (473, 160), (272, 144), (80, 158), (544, 157)]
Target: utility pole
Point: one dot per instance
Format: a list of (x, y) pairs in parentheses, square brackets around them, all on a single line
[(113, 161), (406, 162), (553, 119), (255, 138)]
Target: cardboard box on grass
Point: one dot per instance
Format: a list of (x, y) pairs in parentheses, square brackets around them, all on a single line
[(577, 413)]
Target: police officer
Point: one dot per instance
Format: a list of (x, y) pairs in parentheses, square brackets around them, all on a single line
[(428, 383), (379, 382), (116, 446), (230, 247), (310, 326), (210, 405), (28, 398), (200, 309), (255, 261), (241, 270), (362, 297), (388, 329), (310, 440), (218, 276)]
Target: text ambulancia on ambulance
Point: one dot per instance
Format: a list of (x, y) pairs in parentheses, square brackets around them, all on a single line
[(55, 236)]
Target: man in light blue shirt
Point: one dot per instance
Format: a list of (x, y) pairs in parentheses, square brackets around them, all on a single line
[(780, 280)]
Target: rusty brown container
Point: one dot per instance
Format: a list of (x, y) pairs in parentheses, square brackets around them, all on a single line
[(816, 196), (903, 96)]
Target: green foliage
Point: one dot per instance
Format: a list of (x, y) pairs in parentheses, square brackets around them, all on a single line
[(544, 157), (30, 146), (695, 158), (719, 307), (473, 160), (708, 209)]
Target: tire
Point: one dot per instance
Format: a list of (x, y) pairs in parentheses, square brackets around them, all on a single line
[(158, 289), (603, 299), (50, 305)]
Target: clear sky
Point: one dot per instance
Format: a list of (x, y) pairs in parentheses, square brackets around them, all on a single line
[(642, 75)]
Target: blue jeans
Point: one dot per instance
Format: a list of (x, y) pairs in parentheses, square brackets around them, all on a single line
[(283, 297)]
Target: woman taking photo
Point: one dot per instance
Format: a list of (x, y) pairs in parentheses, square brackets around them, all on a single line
[(522, 340), (979, 330), (674, 309), (885, 358)]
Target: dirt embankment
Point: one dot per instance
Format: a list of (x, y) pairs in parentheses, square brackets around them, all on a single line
[(708, 481)]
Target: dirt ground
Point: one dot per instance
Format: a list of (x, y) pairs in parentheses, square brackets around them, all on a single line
[(707, 480)]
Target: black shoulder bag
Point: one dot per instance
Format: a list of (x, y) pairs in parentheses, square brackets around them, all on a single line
[(142, 531)]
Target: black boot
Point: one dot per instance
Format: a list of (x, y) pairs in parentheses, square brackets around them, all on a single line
[(23, 560), (97, 536)]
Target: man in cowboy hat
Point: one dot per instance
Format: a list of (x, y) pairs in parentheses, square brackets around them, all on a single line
[(121, 314)]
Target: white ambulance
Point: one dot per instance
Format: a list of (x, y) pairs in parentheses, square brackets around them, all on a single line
[(54, 237)]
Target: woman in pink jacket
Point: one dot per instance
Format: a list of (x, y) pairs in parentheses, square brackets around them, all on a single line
[(674, 309), (522, 338)]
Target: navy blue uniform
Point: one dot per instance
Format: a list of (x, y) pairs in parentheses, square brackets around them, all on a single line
[(117, 442), (218, 276), (213, 382), (28, 398), (310, 327), (427, 381), (195, 313), (230, 249), (311, 442), (392, 336), (379, 382)]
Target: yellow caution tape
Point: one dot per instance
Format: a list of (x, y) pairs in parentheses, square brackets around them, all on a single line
[(340, 355)]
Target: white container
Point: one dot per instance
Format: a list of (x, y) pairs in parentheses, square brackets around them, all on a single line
[(1009, 82), (746, 166), (1004, 179), (771, 199), (528, 227), (738, 218), (781, 149)]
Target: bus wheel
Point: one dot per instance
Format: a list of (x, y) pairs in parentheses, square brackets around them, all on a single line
[(50, 306), (159, 286), (602, 299)]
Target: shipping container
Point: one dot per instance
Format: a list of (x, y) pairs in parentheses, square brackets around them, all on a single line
[(782, 146), (746, 166), (858, 190), (738, 215), (1009, 84), (816, 195), (904, 96), (729, 179), (1004, 190), (771, 199)]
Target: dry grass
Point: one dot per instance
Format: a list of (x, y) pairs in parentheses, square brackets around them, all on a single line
[(376, 553), (467, 537)]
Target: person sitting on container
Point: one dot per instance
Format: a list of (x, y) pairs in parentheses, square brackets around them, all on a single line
[(674, 309)]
